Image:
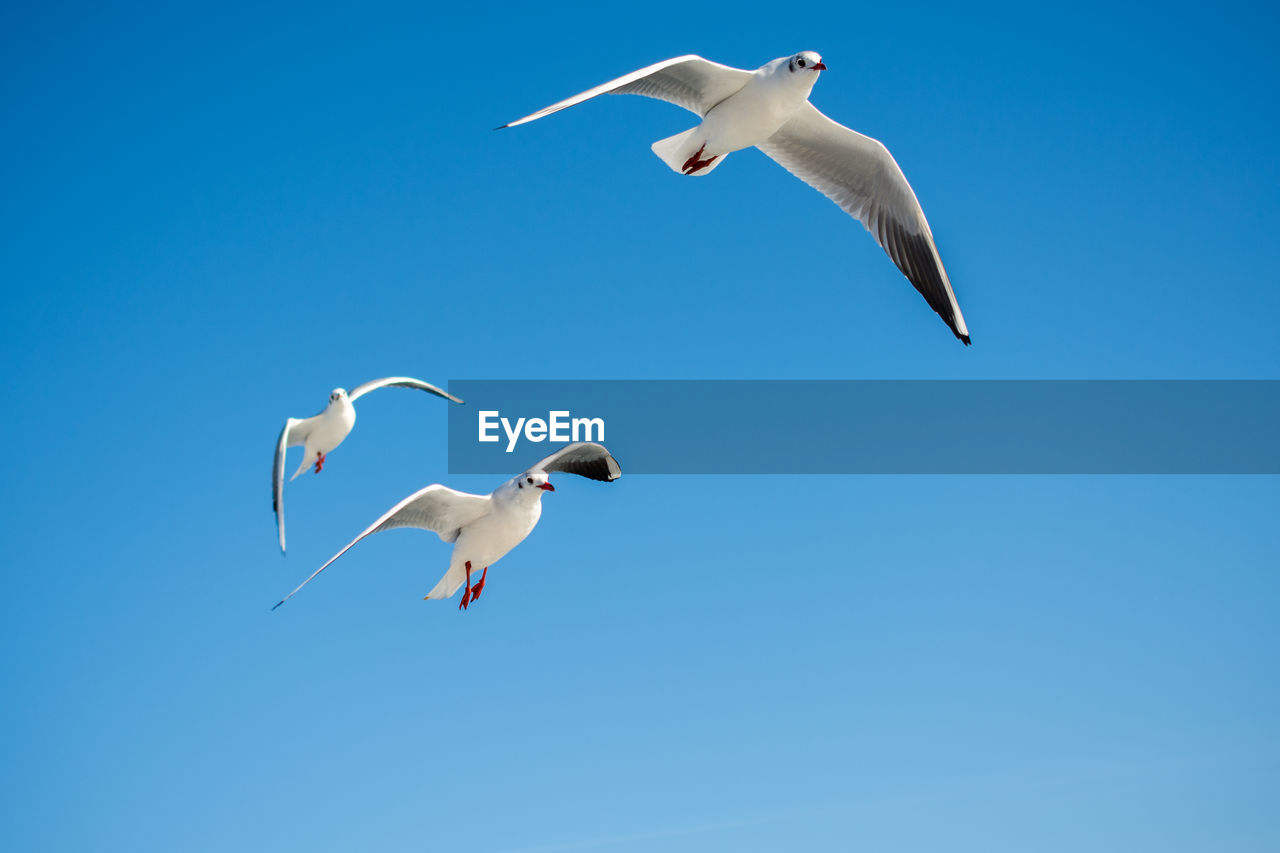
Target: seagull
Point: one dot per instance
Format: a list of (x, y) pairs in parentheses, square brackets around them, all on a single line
[(769, 108), (320, 434), (483, 528)]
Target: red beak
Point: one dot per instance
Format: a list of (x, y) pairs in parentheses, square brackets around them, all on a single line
[(547, 487), (818, 67)]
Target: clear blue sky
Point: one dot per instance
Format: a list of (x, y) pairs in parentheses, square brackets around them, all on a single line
[(211, 216)]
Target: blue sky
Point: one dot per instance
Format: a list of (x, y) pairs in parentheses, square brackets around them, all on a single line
[(212, 216)]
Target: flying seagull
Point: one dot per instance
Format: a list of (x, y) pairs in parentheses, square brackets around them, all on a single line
[(769, 108), (483, 528), (320, 434)]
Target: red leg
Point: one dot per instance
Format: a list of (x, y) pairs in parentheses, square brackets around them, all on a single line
[(466, 590), (476, 590), (693, 164), (319, 461)]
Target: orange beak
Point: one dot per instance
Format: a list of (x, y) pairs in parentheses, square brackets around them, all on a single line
[(818, 67), (547, 487)]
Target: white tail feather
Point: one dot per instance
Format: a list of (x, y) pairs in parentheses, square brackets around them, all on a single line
[(676, 151), (449, 584)]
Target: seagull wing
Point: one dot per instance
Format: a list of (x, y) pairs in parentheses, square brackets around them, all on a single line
[(859, 174), (295, 432), (691, 82), (584, 458), (436, 507), (399, 382)]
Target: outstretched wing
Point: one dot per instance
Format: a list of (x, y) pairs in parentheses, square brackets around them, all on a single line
[(691, 82), (859, 174), (399, 382), (584, 458), (295, 432), (436, 507)]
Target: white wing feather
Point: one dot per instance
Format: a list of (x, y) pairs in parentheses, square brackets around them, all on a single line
[(690, 81), (858, 173), (437, 508), (399, 382), (584, 458), (295, 432)]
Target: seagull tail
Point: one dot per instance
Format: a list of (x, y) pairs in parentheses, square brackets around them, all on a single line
[(307, 462), (683, 153), (449, 584)]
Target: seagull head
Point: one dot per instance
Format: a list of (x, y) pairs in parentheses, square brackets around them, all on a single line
[(533, 484), (337, 395), (805, 62)]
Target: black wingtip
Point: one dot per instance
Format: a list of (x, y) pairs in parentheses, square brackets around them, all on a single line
[(502, 127), (964, 339), (277, 604)]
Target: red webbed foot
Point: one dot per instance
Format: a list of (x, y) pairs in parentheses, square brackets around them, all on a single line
[(479, 587), (319, 461), (466, 590), (693, 164)]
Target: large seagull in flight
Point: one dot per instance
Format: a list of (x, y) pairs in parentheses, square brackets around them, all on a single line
[(769, 108)]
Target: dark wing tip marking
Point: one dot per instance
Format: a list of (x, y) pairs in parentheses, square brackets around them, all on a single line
[(597, 469), (588, 460), (914, 258)]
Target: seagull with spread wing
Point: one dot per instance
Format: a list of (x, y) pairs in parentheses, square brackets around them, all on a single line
[(483, 528), (769, 108), (320, 434)]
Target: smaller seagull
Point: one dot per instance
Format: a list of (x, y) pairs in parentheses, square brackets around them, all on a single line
[(319, 434), (483, 528), (769, 108)]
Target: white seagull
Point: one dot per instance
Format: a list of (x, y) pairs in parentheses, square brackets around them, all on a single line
[(769, 108), (320, 434), (483, 528)]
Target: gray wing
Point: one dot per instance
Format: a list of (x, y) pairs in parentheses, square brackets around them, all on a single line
[(436, 507), (400, 382), (691, 82), (859, 174), (295, 432), (584, 458)]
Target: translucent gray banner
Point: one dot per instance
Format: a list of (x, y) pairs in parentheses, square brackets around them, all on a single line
[(873, 427)]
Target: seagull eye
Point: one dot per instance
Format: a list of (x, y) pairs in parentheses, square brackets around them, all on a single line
[(800, 62), (530, 481)]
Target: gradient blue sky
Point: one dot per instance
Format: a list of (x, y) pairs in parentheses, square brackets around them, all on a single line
[(213, 215)]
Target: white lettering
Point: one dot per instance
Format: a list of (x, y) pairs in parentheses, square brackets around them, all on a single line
[(586, 433), (559, 422), (487, 424), (512, 434), (559, 427)]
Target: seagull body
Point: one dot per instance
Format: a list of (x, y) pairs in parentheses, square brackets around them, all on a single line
[(483, 528), (769, 109), (320, 434), (746, 118)]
